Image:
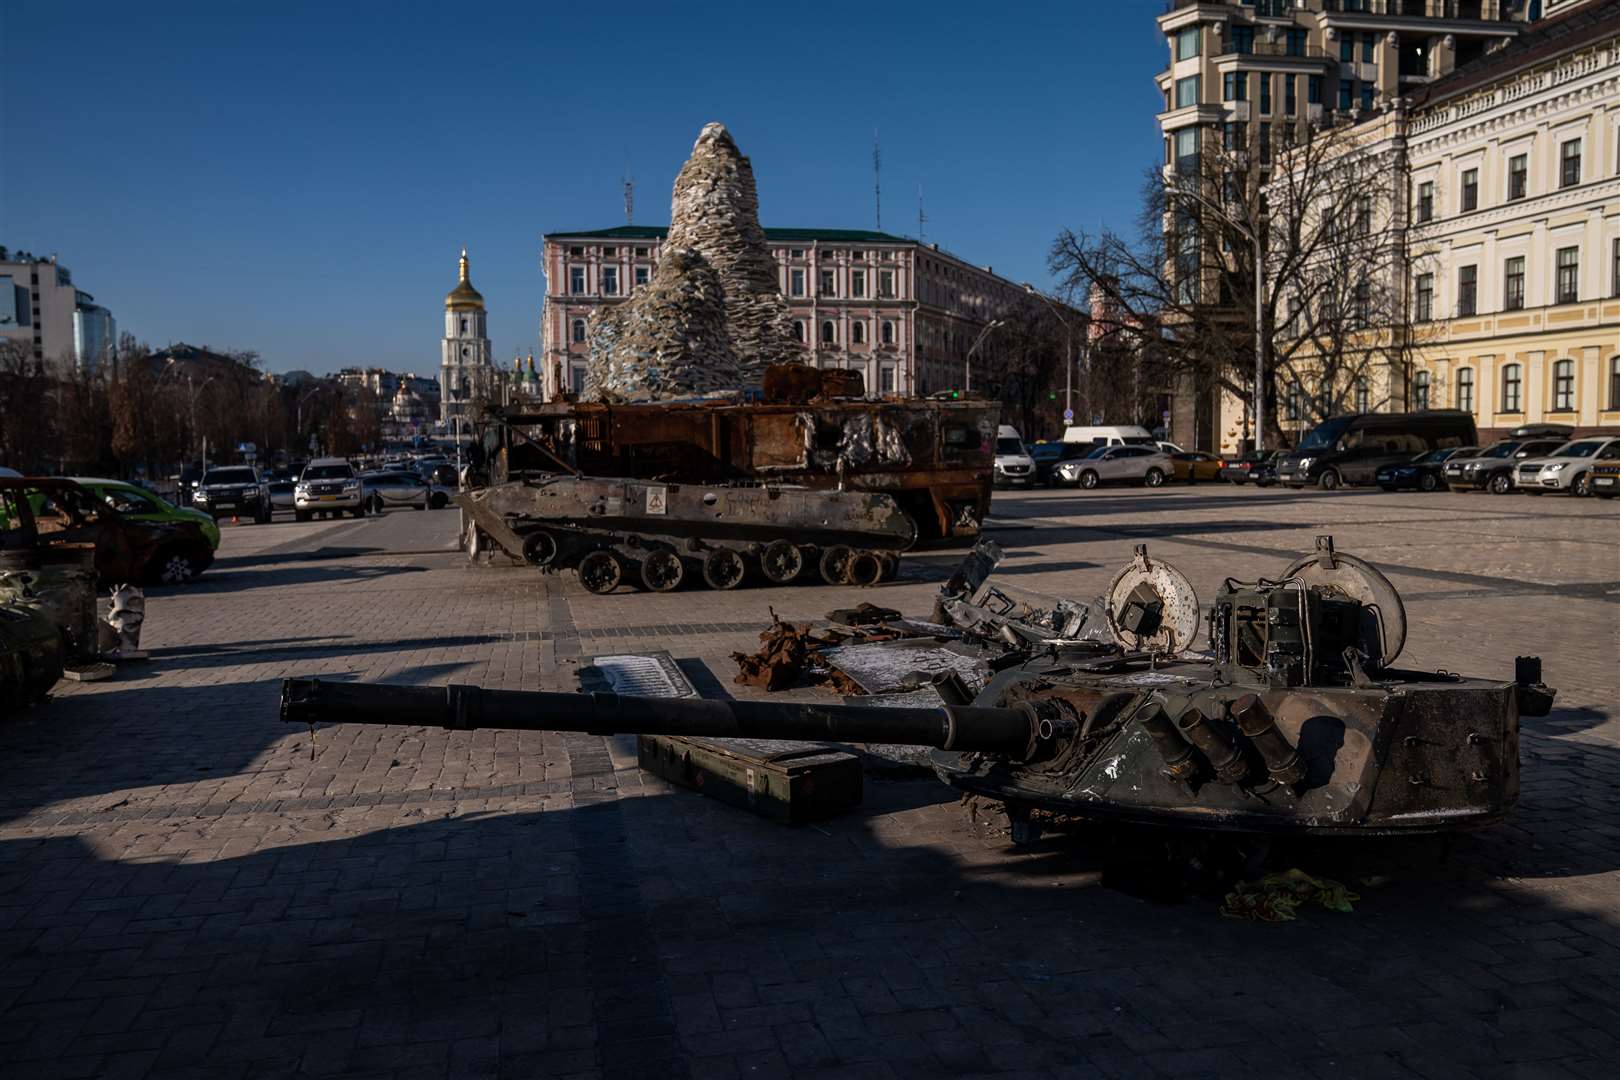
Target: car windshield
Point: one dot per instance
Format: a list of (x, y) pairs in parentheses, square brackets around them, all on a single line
[(1324, 435), (328, 472), (1585, 448), (1431, 456), (1138, 440), (1010, 446), (228, 476), (1500, 450), (1098, 452)]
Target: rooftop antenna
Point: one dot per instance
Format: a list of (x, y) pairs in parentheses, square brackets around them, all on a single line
[(921, 217), (877, 181), (629, 196)]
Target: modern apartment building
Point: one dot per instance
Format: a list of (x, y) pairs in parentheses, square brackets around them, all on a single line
[(904, 313), (1507, 187), (57, 322)]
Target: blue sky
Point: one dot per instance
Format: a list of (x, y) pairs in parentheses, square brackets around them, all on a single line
[(298, 178)]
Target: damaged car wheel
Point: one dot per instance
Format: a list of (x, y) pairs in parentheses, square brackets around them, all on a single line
[(176, 566)]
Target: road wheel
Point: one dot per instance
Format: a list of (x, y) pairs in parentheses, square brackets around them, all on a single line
[(1089, 479), (782, 561), (600, 572), (1580, 487), (1154, 478), (438, 500), (1329, 480), (539, 548), (662, 571), (724, 568), (1428, 482), (863, 569), (834, 564), (1501, 484), (176, 566)]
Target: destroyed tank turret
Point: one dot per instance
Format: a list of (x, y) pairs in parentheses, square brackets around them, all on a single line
[(658, 535), (1294, 722)]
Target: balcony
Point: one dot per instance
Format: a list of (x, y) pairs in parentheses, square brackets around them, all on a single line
[(1272, 49)]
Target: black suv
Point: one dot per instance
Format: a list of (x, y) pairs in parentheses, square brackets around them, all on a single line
[(1492, 468), (1350, 449), (1422, 473), (235, 489)]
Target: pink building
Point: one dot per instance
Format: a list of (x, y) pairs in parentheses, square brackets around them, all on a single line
[(903, 313)]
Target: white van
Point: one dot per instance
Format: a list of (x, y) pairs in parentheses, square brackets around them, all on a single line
[(1110, 435), (1013, 463)]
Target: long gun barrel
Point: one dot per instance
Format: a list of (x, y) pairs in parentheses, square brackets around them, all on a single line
[(1015, 732)]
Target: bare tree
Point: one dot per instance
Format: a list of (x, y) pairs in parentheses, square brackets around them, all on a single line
[(1283, 246), (25, 415)]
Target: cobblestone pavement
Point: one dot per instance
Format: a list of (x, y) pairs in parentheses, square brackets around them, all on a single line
[(189, 889)]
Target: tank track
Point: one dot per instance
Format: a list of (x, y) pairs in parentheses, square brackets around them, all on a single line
[(607, 559)]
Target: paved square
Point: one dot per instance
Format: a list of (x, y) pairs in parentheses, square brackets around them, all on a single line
[(189, 889)]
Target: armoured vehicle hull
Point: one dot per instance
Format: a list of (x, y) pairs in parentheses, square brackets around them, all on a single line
[(658, 536)]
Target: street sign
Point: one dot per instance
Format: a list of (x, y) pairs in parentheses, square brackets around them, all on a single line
[(1068, 414)]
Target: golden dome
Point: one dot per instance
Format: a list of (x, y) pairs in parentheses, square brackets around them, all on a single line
[(464, 297)]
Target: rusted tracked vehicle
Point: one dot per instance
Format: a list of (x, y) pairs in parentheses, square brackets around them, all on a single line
[(813, 429), (1297, 722), (660, 536)]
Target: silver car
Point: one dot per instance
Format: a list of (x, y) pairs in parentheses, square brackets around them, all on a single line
[(385, 489), (1116, 464)]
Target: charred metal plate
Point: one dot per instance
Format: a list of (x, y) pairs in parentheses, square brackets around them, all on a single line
[(653, 674), (881, 667)]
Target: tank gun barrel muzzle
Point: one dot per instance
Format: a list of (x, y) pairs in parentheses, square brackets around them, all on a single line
[(1015, 732)]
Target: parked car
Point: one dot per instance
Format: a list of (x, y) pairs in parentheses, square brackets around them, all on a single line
[(1048, 456), (1194, 465), (1109, 435), (1350, 449), (384, 489), (1492, 468), (1259, 467), (1605, 479), (235, 489), (1013, 465), (1169, 447), (135, 503), (1117, 464), (1567, 468), (327, 486), (442, 483), (281, 494), (56, 511), (1422, 473)]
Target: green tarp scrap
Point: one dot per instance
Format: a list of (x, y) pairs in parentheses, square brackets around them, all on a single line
[(1274, 897)]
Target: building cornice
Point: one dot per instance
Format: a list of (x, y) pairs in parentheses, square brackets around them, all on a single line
[(1503, 95), (1597, 195)]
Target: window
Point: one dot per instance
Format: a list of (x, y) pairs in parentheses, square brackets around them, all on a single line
[(1518, 176), (1235, 86), (1187, 43), (1265, 93), (577, 250), (1292, 402), (796, 282), (857, 283), (1366, 97), (886, 283), (829, 333), (1564, 386), (1289, 104), (1363, 394), (643, 274), (886, 379), (1510, 388), (1187, 91), (1313, 89), (1470, 190), (1347, 47), (1363, 301), (610, 281), (1296, 45), (1465, 389), (578, 332), (609, 252), (1265, 143), (798, 330), (1231, 135), (1423, 298), (641, 253), (829, 283), (796, 253), (1346, 89), (576, 280), (1242, 39), (1569, 163), (1569, 275), (1614, 382), (1467, 290), (1513, 284), (857, 332), (1364, 215), (579, 379), (1420, 390), (1186, 149), (1614, 271), (1369, 42), (886, 333), (1425, 202), (464, 327)]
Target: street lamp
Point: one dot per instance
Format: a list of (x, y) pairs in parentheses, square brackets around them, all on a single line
[(967, 376), (456, 420), (1068, 367), (1251, 234)]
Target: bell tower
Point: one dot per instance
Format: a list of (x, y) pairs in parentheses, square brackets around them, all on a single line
[(465, 371)]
